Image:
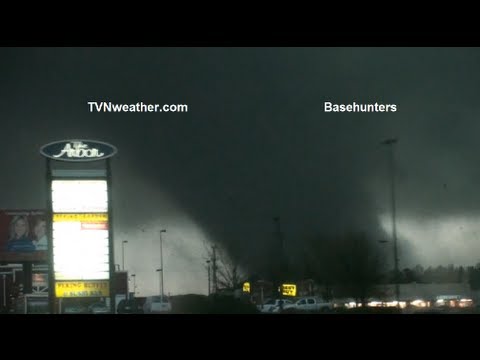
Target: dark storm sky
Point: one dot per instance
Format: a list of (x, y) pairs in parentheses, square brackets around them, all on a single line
[(256, 144)]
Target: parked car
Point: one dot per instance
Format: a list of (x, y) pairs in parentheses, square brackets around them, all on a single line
[(130, 306)]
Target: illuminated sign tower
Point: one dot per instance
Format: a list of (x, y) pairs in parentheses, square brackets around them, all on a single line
[(79, 207)]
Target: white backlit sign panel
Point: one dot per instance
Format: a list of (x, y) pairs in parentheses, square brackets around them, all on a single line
[(77, 196), (80, 246)]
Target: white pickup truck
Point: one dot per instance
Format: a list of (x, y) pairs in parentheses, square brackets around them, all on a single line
[(274, 305), (310, 303)]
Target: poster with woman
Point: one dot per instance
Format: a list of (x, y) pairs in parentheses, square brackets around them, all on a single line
[(23, 235)]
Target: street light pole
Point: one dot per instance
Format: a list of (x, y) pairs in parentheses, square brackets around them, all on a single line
[(282, 269), (160, 280), (390, 143), (123, 254), (4, 289), (161, 262)]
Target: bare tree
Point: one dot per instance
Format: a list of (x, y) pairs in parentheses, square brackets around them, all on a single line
[(228, 275)]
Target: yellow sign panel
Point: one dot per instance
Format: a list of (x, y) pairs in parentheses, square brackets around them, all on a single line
[(246, 287), (68, 289), (91, 218), (289, 289)]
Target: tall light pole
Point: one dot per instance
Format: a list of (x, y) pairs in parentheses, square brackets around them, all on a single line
[(161, 262), (4, 290), (390, 143), (123, 254), (160, 281), (282, 266)]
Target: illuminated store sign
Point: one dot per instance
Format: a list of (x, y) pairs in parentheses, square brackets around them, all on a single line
[(78, 150), (65, 289)]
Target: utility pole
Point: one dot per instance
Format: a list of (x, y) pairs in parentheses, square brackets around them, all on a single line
[(208, 273), (214, 268), (161, 261), (123, 253), (391, 142)]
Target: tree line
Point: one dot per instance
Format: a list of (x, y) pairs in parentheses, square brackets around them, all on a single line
[(351, 265)]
